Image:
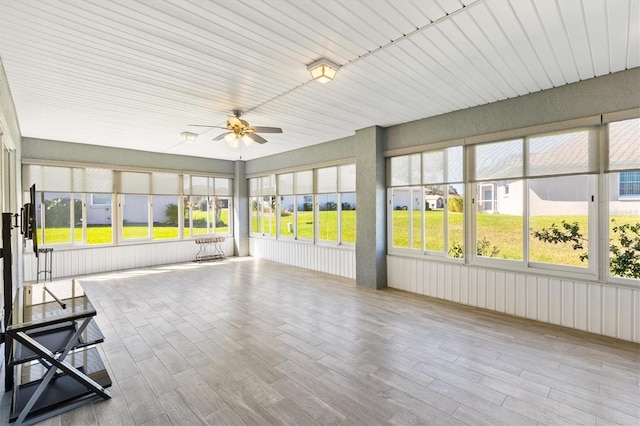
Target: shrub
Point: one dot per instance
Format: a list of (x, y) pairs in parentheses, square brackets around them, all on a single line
[(456, 204), (483, 249)]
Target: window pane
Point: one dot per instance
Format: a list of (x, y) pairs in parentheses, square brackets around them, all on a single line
[(77, 219), (348, 217), (433, 167), (222, 186), (400, 170), (201, 215), (57, 218), (99, 219), (47, 178), (328, 217), (285, 184), (200, 185), (624, 138), (624, 231), (435, 197), (165, 183), (135, 183), (499, 160), (187, 217), (269, 215), (347, 178), (254, 186), (256, 216), (165, 217), (559, 204), (454, 164), (268, 185), (303, 182), (560, 154), (400, 204), (416, 218), (135, 216), (415, 169), (455, 219), (499, 222), (327, 179), (221, 219), (94, 180), (304, 217), (287, 209)]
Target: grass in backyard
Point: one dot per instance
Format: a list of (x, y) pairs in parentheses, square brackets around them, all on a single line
[(328, 228), (503, 231)]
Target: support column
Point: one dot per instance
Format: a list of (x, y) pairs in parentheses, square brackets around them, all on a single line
[(371, 212), (240, 211)]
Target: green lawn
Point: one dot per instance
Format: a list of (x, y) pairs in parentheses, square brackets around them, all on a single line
[(502, 231), (328, 225), (103, 234)]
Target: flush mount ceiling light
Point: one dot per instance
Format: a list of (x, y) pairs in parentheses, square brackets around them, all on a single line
[(323, 70), (188, 136)]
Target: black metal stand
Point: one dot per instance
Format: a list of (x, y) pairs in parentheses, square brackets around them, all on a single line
[(7, 274)]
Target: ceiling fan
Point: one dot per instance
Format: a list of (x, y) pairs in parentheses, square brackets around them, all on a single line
[(240, 129)]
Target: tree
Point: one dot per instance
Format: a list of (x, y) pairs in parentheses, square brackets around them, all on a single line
[(171, 213), (624, 248)]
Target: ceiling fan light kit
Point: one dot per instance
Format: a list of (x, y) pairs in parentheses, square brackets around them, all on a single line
[(323, 70), (237, 129), (231, 139)]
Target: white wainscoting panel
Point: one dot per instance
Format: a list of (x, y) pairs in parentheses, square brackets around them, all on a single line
[(597, 308), (332, 260), (84, 261)]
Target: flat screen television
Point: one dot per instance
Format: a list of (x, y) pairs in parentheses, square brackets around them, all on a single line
[(29, 223)]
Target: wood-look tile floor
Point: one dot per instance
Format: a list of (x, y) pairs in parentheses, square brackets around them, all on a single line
[(253, 342)]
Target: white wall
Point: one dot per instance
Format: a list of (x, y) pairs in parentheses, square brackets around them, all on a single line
[(609, 310), (84, 261), (332, 260)]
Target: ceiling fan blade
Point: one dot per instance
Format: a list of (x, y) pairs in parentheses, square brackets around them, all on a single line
[(206, 125), (256, 137), (262, 129), (221, 136)]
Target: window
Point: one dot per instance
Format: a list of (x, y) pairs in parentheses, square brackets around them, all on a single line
[(499, 221), (291, 206), (558, 200), (427, 215), (165, 214), (207, 205), (263, 205), (55, 209), (336, 204), (624, 199), (75, 205), (347, 203), (100, 200), (97, 224), (629, 184)]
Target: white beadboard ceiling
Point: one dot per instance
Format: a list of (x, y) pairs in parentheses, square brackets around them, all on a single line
[(134, 74)]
